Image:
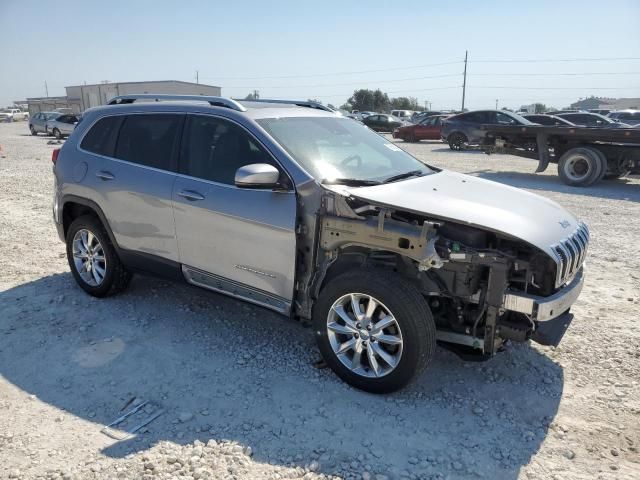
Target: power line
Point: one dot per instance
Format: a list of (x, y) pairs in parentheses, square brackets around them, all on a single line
[(556, 88), (538, 74), (337, 73), (348, 83), (554, 60)]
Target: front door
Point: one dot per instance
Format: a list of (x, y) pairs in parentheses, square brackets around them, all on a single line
[(239, 241)]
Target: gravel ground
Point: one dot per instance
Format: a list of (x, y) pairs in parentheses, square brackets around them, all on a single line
[(241, 397)]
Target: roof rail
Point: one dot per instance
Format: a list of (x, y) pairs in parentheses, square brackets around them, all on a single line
[(299, 103), (213, 101)]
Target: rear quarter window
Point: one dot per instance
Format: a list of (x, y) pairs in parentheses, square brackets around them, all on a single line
[(101, 137)]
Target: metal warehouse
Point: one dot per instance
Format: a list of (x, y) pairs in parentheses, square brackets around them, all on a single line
[(81, 97)]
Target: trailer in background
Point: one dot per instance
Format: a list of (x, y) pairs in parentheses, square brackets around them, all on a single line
[(585, 155)]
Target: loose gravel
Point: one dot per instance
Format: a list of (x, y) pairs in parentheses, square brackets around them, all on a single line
[(241, 396)]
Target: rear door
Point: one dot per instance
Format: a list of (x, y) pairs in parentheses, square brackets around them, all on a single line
[(239, 241), (132, 171)]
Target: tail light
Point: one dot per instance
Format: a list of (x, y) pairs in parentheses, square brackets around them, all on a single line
[(54, 155)]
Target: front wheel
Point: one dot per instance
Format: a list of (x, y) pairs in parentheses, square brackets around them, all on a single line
[(57, 133), (32, 130), (93, 259), (374, 329)]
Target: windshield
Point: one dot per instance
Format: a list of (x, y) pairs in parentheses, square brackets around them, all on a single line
[(332, 148), (51, 116)]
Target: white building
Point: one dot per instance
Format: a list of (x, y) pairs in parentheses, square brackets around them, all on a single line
[(81, 97)]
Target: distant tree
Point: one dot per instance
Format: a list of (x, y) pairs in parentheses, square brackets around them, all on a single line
[(540, 107), (346, 106), (314, 100), (253, 96), (372, 100)]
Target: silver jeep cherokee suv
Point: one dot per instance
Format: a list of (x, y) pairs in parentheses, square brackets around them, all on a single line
[(313, 215)]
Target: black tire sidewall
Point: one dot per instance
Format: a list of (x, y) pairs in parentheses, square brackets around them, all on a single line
[(456, 141), (96, 228), (411, 312), (595, 167)]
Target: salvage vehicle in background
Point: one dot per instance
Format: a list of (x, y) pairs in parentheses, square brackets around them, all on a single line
[(584, 155), (587, 119), (629, 117), (428, 129), (544, 119), (465, 129), (384, 254), (61, 126), (382, 122), (404, 115), (13, 115), (38, 122)]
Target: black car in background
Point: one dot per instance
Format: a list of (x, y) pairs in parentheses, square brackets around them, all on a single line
[(586, 119), (550, 120), (464, 129), (382, 122)]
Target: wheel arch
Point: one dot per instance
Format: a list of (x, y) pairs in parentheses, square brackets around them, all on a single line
[(74, 207)]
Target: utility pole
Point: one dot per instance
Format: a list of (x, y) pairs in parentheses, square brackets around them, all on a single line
[(256, 94), (46, 88), (496, 103), (464, 81), (197, 77)]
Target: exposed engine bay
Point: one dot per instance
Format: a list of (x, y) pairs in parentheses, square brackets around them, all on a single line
[(463, 271)]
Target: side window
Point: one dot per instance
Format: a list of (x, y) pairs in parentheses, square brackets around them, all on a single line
[(503, 119), (148, 139), (428, 122), (101, 138), (213, 149)]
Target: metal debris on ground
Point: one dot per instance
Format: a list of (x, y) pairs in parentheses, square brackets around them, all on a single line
[(130, 422)]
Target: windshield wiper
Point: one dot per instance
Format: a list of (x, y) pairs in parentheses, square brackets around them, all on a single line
[(401, 176), (353, 182)]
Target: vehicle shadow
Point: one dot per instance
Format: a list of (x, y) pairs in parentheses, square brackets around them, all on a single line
[(245, 374), (617, 189)]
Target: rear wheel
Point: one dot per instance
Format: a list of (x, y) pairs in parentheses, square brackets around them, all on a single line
[(93, 259), (374, 329), (457, 141), (32, 130), (57, 133), (581, 167)]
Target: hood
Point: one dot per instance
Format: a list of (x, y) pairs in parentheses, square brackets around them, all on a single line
[(477, 202)]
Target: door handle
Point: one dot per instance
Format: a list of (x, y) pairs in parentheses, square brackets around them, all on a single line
[(105, 175), (190, 195)]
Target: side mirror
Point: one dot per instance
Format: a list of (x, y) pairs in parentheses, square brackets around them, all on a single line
[(257, 175)]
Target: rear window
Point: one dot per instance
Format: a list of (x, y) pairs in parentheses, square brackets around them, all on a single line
[(149, 140), (101, 138)]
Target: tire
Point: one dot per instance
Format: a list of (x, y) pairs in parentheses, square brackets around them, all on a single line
[(115, 277), (57, 134), (413, 325), (33, 130), (580, 167), (603, 163), (457, 141)]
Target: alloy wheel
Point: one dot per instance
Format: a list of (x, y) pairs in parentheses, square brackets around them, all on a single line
[(364, 335), (89, 258)]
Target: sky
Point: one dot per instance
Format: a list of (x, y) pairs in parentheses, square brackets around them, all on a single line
[(553, 52)]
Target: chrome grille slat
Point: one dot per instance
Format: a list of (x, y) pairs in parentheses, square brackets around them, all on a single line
[(571, 253)]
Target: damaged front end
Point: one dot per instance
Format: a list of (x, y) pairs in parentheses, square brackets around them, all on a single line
[(483, 287)]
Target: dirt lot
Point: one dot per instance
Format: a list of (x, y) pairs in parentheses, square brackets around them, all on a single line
[(241, 397)]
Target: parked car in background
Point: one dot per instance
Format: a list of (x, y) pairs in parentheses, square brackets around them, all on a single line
[(382, 122), (544, 119), (429, 128), (601, 111), (403, 114), (13, 115), (38, 122), (630, 117), (586, 119), (464, 129), (417, 117), (62, 126)]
